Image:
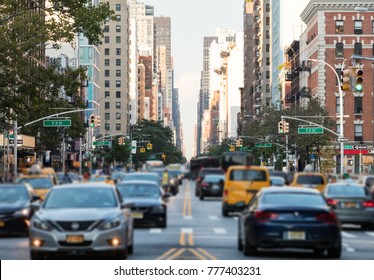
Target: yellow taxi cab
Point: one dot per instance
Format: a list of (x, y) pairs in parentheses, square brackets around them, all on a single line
[(241, 184), (40, 180), (102, 179), (314, 180)]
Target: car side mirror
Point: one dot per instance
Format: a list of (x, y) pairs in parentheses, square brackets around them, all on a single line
[(36, 198), (35, 206)]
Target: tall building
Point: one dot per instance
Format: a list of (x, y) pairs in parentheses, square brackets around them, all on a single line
[(276, 53), (335, 34), (114, 67)]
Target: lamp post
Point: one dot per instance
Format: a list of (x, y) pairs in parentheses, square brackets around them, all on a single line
[(341, 111)]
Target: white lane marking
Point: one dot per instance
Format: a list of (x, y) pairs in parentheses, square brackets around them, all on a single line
[(348, 235), (370, 233), (213, 218), (348, 248), (155, 230), (219, 231), (236, 218), (186, 230), (187, 217)]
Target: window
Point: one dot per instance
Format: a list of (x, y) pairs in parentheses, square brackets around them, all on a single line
[(107, 105), (267, 47), (339, 50), (118, 51), (358, 105), (118, 39), (107, 126), (267, 8), (118, 17), (118, 83), (267, 20), (267, 74), (106, 39), (372, 25), (118, 116), (106, 62), (358, 49), (106, 94), (118, 28), (118, 7), (337, 70), (358, 26), (118, 105), (338, 129), (107, 116), (106, 73), (358, 132), (267, 34), (373, 49), (268, 61), (118, 73), (339, 27), (106, 28), (106, 51), (107, 83), (338, 105), (118, 62), (118, 126), (118, 94)]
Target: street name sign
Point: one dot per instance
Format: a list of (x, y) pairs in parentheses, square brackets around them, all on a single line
[(310, 130), (360, 147), (342, 139), (57, 123), (101, 143), (263, 145)]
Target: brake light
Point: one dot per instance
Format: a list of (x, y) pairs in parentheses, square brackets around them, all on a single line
[(198, 179), (368, 204), (263, 216), (332, 202), (226, 192), (204, 185), (327, 218)]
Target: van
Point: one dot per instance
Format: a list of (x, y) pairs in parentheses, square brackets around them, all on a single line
[(313, 180), (241, 184)]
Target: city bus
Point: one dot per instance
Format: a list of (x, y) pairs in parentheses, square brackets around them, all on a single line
[(205, 161), (235, 158)]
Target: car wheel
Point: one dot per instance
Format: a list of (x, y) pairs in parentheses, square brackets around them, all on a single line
[(35, 255), (130, 249), (248, 249), (318, 251), (240, 243), (121, 254), (225, 212), (196, 192), (335, 252), (201, 196)]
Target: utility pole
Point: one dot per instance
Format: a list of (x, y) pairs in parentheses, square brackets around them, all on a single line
[(15, 170), (80, 156), (288, 168)]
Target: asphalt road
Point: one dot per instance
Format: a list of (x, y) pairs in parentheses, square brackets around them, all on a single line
[(196, 230)]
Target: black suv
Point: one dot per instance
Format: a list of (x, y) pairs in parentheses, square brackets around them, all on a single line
[(204, 171)]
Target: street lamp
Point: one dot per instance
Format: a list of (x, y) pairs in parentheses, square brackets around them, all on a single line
[(340, 113)]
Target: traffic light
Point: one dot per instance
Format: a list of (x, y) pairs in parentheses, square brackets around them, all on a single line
[(345, 79), (281, 127), (239, 142), (231, 148), (286, 127), (120, 141), (359, 72), (149, 146), (92, 120), (97, 121)]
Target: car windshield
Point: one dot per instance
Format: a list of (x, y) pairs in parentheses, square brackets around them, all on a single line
[(138, 190), (248, 175), (37, 183), (142, 176), (310, 179), (13, 194), (85, 197), (293, 199), (346, 191)]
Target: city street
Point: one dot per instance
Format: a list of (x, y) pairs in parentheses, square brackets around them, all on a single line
[(196, 230)]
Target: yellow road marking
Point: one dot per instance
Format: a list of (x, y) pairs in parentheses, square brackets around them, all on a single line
[(182, 239), (189, 207), (176, 254), (193, 251), (190, 239), (167, 253), (211, 257)]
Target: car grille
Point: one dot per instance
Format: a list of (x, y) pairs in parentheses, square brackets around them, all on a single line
[(144, 209), (66, 244), (76, 225)]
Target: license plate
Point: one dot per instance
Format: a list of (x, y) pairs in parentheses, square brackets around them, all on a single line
[(137, 215), (215, 187), (349, 205), (296, 235), (74, 239), (2, 224)]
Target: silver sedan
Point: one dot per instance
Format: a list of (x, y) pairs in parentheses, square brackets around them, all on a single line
[(82, 219)]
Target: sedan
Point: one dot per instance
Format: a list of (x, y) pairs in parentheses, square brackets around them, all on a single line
[(211, 185), (289, 218), (15, 209), (351, 202), (277, 181), (149, 207), (82, 219)]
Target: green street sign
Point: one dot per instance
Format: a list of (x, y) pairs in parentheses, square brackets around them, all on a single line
[(101, 143), (310, 130), (263, 145), (56, 123), (348, 147), (246, 149)]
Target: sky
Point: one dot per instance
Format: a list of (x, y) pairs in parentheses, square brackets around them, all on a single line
[(191, 21)]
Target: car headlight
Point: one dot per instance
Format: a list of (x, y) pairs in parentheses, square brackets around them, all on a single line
[(22, 212), (42, 225), (109, 224), (158, 209)]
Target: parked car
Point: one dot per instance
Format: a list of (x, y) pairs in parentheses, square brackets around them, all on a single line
[(212, 185), (289, 218), (15, 207), (88, 218), (351, 202), (148, 202)]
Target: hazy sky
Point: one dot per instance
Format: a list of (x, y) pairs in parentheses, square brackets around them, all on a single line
[(191, 21)]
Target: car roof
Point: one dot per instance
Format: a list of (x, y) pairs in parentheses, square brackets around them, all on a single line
[(85, 185), (13, 185), (289, 190), (347, 184), (136, 181)]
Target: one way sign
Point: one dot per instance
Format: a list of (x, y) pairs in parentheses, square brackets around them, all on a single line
[(360, 147)]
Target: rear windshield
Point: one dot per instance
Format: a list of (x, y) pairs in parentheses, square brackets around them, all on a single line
[(248, 175), (293, 199), (310, 179), (37, 183), (344, 190)]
